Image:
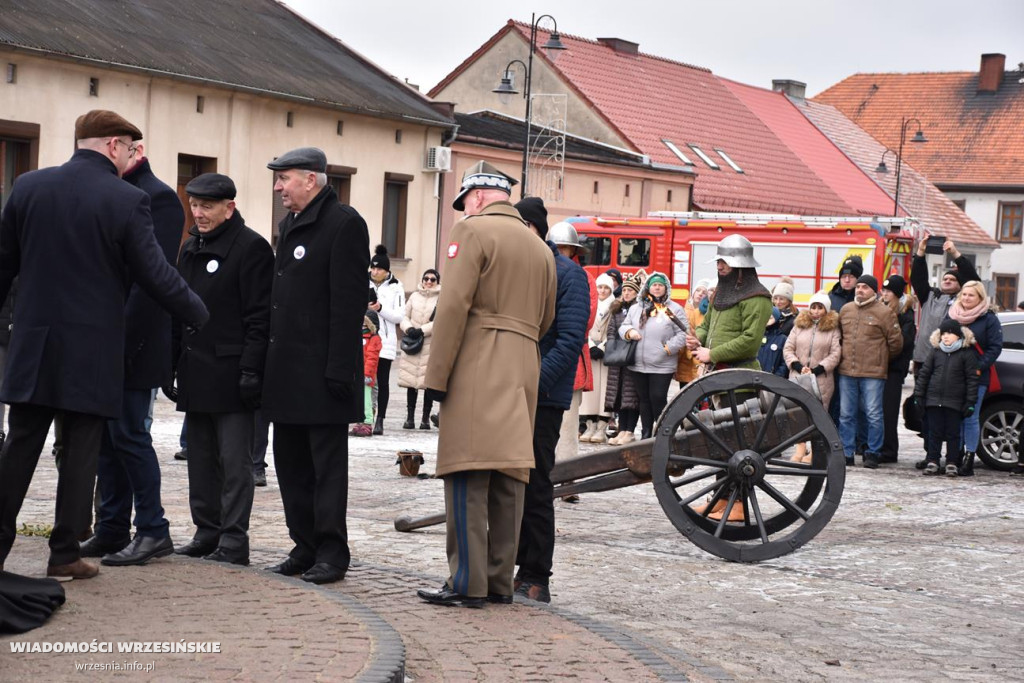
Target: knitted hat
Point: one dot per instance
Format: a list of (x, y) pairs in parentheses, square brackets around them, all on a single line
[(951, 326), (606, 280), (533, 211), (705, 283), (657, 279), (634, 281), (821, 298), (784, 288), (380, 258), (853, 266), (868, 280), (895, 284)]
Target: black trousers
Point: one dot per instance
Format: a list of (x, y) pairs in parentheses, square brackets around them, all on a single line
[(312, 470), (220, 485), (410, 401), (943, 426), (383, 388), (892, 397), (653, 391), (535, 555), (76, 478), (261, 439)]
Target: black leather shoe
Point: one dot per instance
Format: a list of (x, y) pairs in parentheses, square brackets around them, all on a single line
[(533, 591), (499, 599), (322, 572), (222, 555), (290, 567), (259, 478), (378, 428), (449, 598), (141, 550), (871, 461), (196, 548), (424, 425), (408, 424), (97, 547)]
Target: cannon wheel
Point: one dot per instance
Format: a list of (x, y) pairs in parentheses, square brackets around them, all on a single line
[(756, 478)]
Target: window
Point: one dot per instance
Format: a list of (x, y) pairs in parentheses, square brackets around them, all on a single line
[(94, 87), (1011, 215), (396, 198), (12, 72), (705, 158), (634, 252), (600, 251), (1006, 291), (1013, 336), (200, 104), (727, 159), (678, 152), (340, 178), (189, 167), (289, 119)]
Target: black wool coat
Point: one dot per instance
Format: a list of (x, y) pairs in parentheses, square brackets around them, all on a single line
[(147, 345), (316, 317), (76, 236), (231, 268)]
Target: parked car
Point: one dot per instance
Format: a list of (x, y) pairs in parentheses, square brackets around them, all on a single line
[(1002, 410)]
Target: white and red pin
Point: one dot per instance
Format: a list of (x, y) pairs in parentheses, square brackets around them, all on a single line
[(299, 252), (453, 249)]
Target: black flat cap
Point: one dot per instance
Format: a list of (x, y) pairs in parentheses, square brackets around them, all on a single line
[(306, 158), (211, 186)]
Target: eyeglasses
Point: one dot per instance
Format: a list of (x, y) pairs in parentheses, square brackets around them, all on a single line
[(430, 279), (131, 148)]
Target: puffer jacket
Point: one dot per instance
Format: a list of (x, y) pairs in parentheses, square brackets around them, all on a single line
[(948, 379), (734, 335), (871, 335), (770, 354), (562, 345), (815, 347), (419, 307), (391, 297), (661, 339), (621, 390)]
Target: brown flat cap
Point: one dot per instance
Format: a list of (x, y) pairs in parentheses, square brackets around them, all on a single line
[(100, 123)]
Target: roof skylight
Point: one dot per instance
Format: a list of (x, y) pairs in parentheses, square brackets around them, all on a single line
[(728, 160), (704, 157), (678, 152)]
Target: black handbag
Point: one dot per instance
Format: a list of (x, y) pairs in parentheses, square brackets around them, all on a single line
[(412, 344), (619, 352)]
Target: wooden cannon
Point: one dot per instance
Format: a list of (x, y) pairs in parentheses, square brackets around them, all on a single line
[(735, 452)]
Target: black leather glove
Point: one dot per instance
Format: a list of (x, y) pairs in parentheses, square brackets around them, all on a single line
[(250, 386), (596, 353), (435, 395), (969, 410), (340, 390), (414, 332), (170, 391)]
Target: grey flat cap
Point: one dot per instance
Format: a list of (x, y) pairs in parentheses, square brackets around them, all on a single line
[(211, 186), (306, 158)]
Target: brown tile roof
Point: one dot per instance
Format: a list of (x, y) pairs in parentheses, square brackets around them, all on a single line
[(918, 196), (973, 139)]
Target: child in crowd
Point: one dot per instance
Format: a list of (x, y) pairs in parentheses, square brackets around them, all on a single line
[(371, 355), (772, 343), (947, 388)]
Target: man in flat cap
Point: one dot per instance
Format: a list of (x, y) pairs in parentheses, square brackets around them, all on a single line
[(313, 386), (128, 470), (75, 236), (220, 369), (485, 367)]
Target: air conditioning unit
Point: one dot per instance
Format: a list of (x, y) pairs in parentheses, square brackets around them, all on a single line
[(439, 159)]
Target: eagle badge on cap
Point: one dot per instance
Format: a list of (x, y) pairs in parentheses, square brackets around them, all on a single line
[(453, 250)]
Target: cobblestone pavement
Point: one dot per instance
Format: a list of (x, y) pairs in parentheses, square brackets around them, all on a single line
[(915, 578)]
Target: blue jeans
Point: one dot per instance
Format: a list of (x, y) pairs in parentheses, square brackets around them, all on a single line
[(861, 396), (128, 472), (970, 429)]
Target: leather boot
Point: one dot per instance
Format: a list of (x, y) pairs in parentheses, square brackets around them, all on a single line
[(967, 465), (586, 436), (599, 435)]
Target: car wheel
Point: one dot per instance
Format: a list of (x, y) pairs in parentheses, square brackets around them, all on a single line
[(999, 443)]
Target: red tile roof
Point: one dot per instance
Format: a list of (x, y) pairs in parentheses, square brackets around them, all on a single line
[(973, 139), (918, 196)]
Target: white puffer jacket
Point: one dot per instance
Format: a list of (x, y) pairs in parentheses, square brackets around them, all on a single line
[(391, 296), (412, 370)]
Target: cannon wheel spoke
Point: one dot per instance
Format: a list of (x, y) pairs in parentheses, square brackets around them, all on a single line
[(784, 504)]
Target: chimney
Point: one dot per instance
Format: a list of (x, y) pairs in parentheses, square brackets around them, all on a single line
[(990, 77), (621, 46), (794, 89)]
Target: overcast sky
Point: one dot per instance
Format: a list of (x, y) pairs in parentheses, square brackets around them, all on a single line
[(819, 42)]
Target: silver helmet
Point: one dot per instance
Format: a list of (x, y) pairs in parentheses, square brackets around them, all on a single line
[(562, 233), (737, 252)]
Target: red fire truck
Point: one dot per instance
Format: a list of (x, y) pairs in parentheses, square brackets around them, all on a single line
[(809, 249)]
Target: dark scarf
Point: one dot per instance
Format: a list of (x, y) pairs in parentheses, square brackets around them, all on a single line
[(740, 284)]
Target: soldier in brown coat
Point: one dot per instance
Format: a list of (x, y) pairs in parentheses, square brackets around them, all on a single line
[(498, 300)]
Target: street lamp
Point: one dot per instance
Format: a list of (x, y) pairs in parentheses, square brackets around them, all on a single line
[(506, 88), (882, 168)]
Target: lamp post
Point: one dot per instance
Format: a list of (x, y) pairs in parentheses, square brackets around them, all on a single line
[(507, 88), (882, 168)]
